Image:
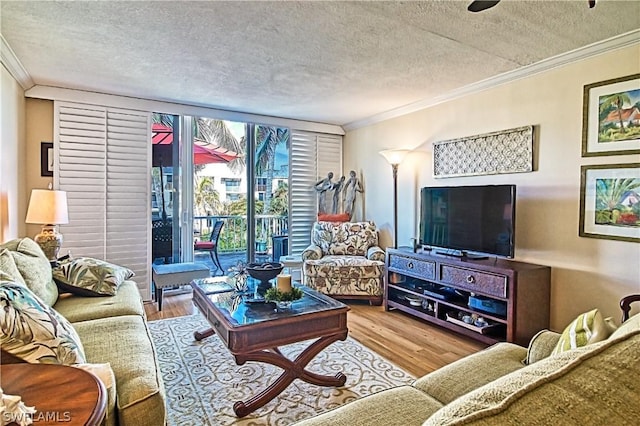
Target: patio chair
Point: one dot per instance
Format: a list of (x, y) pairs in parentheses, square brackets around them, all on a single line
[(211, 246), (162, 240)]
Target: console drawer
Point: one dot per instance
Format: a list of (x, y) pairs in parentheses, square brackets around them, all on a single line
[(472, 280), (417, 268)]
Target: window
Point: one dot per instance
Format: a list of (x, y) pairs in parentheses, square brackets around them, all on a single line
[(261, 184), (231, 185)]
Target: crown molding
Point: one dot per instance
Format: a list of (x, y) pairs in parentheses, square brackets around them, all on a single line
[(166, 107), (598, 48), (13, 65)]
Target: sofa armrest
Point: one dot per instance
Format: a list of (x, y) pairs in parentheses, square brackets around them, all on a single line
[(472, 372), (541, 346), (375, 253), (313, 252)]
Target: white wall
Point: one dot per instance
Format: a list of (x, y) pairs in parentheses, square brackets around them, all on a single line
[(12, 152), (586, 272)]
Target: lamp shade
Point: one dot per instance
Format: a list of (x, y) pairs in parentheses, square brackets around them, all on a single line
[(394, 156), (48, 207)]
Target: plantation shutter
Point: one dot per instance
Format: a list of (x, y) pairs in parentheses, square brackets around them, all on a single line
[(312, 155), (103, 162), (329, 156)]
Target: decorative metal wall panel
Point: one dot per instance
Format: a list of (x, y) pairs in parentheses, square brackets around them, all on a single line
[(506, 151)]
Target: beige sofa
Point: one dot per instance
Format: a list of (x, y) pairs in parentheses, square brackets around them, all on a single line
[(112, 330), (597, 384)]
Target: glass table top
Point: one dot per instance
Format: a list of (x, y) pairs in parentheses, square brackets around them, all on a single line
[(249, 307)]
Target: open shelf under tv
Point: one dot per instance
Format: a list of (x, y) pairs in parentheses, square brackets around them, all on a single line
[(514, 296)]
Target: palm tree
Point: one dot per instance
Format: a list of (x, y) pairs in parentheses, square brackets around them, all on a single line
[(267, 140), (205, 197), (215, 132), (280, 202), (615, 101)]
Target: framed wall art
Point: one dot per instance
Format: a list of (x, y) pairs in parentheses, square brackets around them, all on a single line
[(46, 159), (610, 202), (506, 151), (611, 117)]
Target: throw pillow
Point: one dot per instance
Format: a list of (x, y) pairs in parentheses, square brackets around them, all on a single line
[(34, 267), (86, 276), (541, 346), (8, 266), (337, 218), (35, 332), (587, 328)]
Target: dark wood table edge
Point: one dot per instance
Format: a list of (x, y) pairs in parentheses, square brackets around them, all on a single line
[(99, 410)]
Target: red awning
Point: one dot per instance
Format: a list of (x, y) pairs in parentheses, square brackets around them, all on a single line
[(202, 153)]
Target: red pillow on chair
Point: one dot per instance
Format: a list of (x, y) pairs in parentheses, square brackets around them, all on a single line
[(340, 217), (203, 245)]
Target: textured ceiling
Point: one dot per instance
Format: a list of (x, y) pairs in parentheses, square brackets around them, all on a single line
[(331, 62)]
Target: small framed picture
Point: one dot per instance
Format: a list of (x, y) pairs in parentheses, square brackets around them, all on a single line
[(46, 159), (610, 202), (611, 117)]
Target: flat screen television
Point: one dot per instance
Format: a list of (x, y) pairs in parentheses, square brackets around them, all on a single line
[(472, 221)]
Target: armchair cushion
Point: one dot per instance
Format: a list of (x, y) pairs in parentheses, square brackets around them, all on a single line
[(345, 275), (349, 238)]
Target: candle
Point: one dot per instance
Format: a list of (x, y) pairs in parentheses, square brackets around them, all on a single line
[(284, 283)]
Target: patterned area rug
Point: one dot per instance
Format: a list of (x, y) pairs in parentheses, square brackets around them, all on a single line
[(202, 380)]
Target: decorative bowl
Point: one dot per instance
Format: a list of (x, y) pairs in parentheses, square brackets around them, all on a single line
[(264, 272)]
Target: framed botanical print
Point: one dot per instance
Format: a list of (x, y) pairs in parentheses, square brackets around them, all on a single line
[(610, 202), (611, 117)]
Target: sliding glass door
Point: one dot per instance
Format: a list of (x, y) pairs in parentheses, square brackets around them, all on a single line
[(234, 207), (271, 188)]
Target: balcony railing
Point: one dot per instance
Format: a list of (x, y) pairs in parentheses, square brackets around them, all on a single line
[(233, 237)]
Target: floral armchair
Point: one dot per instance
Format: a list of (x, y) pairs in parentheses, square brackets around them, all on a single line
[(344, 261)]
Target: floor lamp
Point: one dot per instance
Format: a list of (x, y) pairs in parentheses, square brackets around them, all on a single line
[(395, 157)]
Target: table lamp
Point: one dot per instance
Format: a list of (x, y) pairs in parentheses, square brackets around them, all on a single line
[(395, 157), (48, 208)]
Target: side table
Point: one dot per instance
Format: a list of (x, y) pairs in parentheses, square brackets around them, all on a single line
[(60, 394)]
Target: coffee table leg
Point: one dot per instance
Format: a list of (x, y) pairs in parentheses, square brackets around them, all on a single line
[(199, 335), (292, 370)]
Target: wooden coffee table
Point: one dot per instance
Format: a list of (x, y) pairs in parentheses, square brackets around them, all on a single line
[(255, 331)]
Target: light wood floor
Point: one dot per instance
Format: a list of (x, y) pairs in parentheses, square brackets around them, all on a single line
[(411, 344)]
